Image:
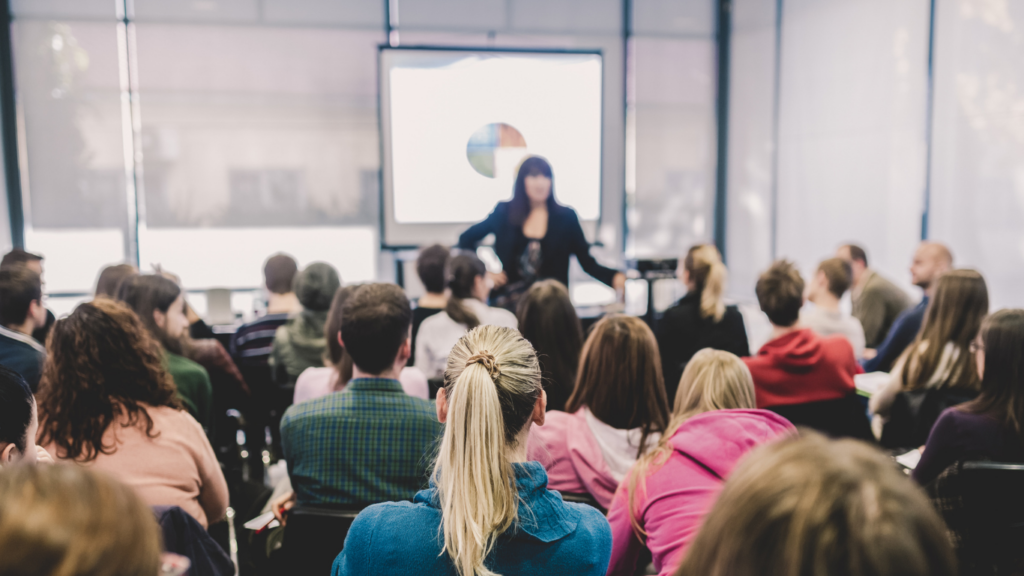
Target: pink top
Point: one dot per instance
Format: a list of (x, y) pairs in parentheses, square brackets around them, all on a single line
[(571, 454), (176, 468), (672, 503), (317, 382)]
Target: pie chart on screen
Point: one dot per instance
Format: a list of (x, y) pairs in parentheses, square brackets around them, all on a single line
[(494, 150)]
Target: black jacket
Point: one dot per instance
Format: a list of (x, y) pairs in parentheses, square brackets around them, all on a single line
[(682, 332), (564, 237)]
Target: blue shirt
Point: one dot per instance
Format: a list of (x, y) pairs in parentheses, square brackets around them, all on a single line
[(904, 330), (21, 353), (370, 443), (550, 536)]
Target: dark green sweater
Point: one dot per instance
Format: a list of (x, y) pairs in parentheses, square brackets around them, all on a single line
[(194, 388)]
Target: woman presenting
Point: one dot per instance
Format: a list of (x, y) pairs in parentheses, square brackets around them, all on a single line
[(534, 236)]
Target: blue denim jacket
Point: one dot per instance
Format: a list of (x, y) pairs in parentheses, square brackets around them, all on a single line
[(550, 537)]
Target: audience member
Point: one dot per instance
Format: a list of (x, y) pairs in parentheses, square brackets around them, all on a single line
[(488, 510), (813, 506), (796, 366), (106, 402), (19, 422), (830, 282), (65, 521), (700, 319), (300, 343), (252, 342), (430, 267), (548, 320), (616, 413), (939, 359), (373, 442), (991, 427), (21, 313), (111, 277), (465, 310), (931, 260), (671, 488), (18, 257), (876, 301), (337, 370), (160, 306)]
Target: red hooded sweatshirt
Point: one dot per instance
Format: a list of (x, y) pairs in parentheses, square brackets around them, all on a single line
[(802, 367)]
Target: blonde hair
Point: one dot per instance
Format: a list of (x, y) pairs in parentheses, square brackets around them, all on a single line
[(492, 383), (713, 380), (71, 521), (708, 273)]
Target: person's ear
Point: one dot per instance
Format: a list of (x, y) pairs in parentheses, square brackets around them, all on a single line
[(540, 409), (8, 454), (442, 406), (405, 351), (339, 339), (160, 318)]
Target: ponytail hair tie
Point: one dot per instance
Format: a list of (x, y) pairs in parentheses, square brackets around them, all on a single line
[(485, 359)]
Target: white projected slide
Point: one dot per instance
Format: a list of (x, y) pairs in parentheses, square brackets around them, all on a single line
[(457, 123)]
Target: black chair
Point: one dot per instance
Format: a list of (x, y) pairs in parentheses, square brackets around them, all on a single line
[(433, 385), (992, 534), (841, 418), (582, 498), (914, 412), (314, 536)]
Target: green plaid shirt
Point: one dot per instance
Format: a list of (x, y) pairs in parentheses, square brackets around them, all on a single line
[(370, 443)]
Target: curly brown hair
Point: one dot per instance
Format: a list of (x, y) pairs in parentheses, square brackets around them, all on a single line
[(101, 362)]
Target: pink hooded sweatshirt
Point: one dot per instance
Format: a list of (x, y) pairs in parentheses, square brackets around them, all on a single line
[(566, 447), (681, 492)]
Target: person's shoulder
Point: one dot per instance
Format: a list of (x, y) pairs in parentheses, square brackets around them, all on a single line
[(182, 366), (323, 407), (502, 317), (433, 322), (593, 533), (176, 421)]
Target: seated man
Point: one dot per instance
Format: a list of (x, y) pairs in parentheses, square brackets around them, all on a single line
[(796, 365), (830, 282), (931, 260), (876, 301), (21, 312), (19, 257), (372, 442), (252, 342)]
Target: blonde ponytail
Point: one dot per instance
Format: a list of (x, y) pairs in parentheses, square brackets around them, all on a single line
[(492, 383), (704, 264)]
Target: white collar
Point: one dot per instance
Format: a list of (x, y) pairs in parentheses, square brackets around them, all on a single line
[(15, 335)]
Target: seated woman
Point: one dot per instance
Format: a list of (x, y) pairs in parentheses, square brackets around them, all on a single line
[(548, 320), (19, 422), (321, 381), (990, 427), (465, 310), (159, 303), (106, 402), (700, 319), (813, 506), (430, 267), (669, 490), (61, 520), (488, 510), (938, 360), (616, 413)]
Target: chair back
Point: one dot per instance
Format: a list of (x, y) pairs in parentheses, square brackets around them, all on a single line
[(433, 385), (315, 535), (914, 412), (991, 525), (582, 498), (840, 418)]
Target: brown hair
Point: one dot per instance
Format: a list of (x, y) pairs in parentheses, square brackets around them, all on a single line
[(430, 267), (704, 265), (857, 253), (548, 320), (111, 277), (712, 380), (814, 506), (335, 354), (70, 521), (19, 287), (101, 363), (954, 315), (780, 292), (279, 273), (144, 293), (619, 378), (1002, 385), (463, 270), (838, 274), (375, 323), (18, 256)]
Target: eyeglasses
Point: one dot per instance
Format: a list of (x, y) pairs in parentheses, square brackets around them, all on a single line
[(976, 346)]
